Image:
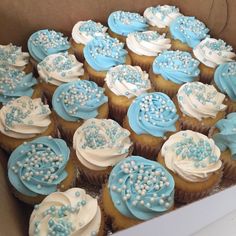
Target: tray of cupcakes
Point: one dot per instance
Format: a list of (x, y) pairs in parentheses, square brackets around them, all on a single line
[(117, 124)]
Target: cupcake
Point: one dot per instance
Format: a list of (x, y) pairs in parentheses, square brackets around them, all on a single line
[(40, 167), (24, 119), (143, 47), (101, 54), (121, 23), (75, 102), (194, 161), (160, 17), (151, 118), (12, 56), (171, 69), (137, 190), (211, 53), (15, 83), (123, 84), (57, 69), (69, 213), (187, 32), (98, 145), (46, 42), (225, 81), (200, 106), (82, 33), (225, 138)]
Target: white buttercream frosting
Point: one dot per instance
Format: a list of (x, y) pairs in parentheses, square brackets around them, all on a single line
[(126, 80), (161, 16), (13, 56), (200, 100), (147, 43), (60, 68), (85, 31), (24, 118), (100, 143), (72, 212), (191, 155), (212, 52)]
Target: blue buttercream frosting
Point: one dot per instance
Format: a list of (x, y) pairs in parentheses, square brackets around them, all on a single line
[(78, 100), (176, 66), (104, 52), (37, 167), (188, 30), (152, 113), (123, 23), (140, 188), (225, 79), (15, 83), (226, 137), (46, 42)]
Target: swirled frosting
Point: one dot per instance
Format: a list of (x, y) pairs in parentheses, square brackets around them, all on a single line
[(126, 80), (188, 30), (123, 23), (46, 42), (161, 16), (78, 100), (140, 188), (14, 83), (84, 31), (68, 213), (60, 68), (191, 155), (176, 66), (200, 100), (104, 52), (152, 113), (148, 43), (24, 118), (13, 56), (212, 52), (37, 167), (100, 143), (226, 137), (225, 79)]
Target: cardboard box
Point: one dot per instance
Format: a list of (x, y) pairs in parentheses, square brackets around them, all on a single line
[(18, 19)]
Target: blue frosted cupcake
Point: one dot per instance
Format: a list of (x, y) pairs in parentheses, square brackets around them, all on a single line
[(46, 42), (187, 32), (137, 190), (171, 69), (101, 54), (225, 81), (75, 102), (122, 23), (151, 118), (40, 167)]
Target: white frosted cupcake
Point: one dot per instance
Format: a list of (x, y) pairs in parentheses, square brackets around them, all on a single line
[(123, 84), (98, 145), (211, 53), (144, 46), (57, 69), (82, 33), (200, 106), (72, 212), (160, 17)]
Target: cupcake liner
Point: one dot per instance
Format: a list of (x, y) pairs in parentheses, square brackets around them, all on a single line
[(117, 113), (231, 106), (97, 79), (206, 74), (77, 49), (34, 63), (230, 171), (29, 68)]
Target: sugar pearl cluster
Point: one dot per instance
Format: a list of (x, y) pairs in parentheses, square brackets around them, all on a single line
[(177, 61), (148, 36), (10, 54), (189, 25), (90, 28), (128, 18), (140, 183), (164, 11), (48, 39), (231, 70)]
